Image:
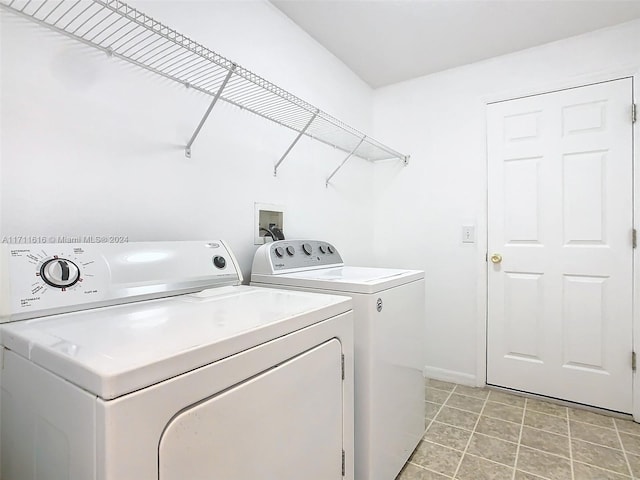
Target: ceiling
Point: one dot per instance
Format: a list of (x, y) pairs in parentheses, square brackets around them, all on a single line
[(388, 41)]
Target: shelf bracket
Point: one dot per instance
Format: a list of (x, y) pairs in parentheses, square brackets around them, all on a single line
[(302, 132), (187, 150), (326, 184)]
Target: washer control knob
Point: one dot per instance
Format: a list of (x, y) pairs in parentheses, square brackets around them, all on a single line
[(279, 251), (323, 249), (330, 249), (60, 273), (306, 248), (219, 261), (291, 250)]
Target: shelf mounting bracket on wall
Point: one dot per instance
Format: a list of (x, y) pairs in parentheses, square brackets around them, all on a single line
[(187, 150), (326, 184), (302, 132)]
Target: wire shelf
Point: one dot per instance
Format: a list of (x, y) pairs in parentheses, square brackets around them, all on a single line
[(124, 32)]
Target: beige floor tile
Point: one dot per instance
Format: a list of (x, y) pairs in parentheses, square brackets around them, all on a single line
[(436, 458), (506, 398), (498, 428), (582, 471), (493, 449), (604, 457), (591, 417), (472, 391), (543, 464), (465, 403), (503, 412), (431, 410), (457, 418), (542, 421), (546, 407), (412, 472), (435, 396), (631, 443), (520, 475), (545, 441), (448, 435), (439, 384), (627, 426), (595, 434), (634, 461), (475, 468)]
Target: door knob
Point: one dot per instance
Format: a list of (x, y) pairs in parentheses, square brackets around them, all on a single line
[(496, 258)]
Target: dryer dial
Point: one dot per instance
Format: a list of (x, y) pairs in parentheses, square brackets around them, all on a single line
[(60, 272)]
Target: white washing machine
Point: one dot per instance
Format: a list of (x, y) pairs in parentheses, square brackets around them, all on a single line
[(389, 335), (213, 381)]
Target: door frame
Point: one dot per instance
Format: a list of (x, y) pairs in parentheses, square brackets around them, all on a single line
[(482, 252)]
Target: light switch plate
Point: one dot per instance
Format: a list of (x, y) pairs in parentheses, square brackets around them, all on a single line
[(468, 234)]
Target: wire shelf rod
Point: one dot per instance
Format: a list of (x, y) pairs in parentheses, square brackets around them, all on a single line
[(98, 24), (180, 70), (343, 162), (206, 74), (134, 45), (211, 79), (207, 113), (86, 21), (194, 71), (165, 43), (66, 12), (51, 12), (39, 8), (275, 168), (147, 48), (111, 25)]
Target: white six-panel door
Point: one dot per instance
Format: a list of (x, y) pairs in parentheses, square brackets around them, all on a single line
[(560, 217)]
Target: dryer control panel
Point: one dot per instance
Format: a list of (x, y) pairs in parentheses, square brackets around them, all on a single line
[(294, 255), (45, 279)]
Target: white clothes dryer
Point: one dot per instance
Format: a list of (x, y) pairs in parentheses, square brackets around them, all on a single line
[(389, 336), (214, 380)]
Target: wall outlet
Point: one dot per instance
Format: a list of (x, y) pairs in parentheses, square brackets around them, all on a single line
[(468, 234)]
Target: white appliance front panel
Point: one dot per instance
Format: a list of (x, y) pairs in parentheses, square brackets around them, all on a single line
[(116, 350), (389, 381), (284, 424), (33, 283), (130, 427), (119, 439)]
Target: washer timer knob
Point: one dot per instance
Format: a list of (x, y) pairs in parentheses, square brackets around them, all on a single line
[(330, 249), (60, 273), (306, 248)]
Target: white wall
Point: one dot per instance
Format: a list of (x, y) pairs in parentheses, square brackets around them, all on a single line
[(440, 120), (92, 145)]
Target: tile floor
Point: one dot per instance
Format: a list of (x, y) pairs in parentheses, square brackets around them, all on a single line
[(483, 434)]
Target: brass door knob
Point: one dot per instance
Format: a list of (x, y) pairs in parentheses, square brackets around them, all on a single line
[(496, 258)]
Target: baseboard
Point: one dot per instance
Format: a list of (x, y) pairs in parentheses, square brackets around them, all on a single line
[(450, 376)]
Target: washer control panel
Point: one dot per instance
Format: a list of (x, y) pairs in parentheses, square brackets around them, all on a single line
[(301, 254), (44, 279)]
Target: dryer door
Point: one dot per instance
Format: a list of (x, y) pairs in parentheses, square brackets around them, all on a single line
[(284, 424)]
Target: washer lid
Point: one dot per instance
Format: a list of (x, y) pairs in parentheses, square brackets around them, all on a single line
[(116, 350), (344, 279)]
